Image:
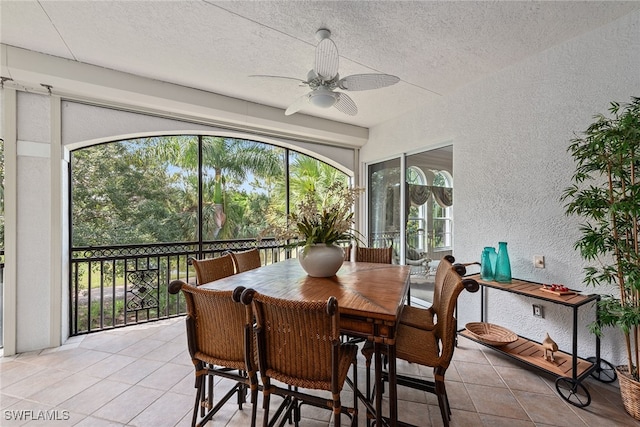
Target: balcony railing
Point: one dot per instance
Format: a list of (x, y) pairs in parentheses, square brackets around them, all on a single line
[(116, 286)]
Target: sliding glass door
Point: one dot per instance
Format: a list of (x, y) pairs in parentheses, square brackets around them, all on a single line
[(384, 212), (416, 217), (429, 224)]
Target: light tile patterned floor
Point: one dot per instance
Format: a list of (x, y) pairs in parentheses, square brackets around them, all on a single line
[(142, 376)]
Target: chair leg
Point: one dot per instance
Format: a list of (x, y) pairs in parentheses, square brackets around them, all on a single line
[(210, 381), (199, 391), (446, 399), (368, 384), (266, 400), (297, 411), (443, 400), (242, 392), (354, 420), (254, 402), (203, 395), (337, 409)]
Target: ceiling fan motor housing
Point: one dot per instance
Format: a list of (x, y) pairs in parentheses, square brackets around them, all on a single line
[(322, 34), (323, 97), (323, 79)]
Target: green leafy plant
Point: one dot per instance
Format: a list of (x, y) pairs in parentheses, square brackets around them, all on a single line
[(606, 194), (318, 218)]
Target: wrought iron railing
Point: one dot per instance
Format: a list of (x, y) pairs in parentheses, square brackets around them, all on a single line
[(116, 286)]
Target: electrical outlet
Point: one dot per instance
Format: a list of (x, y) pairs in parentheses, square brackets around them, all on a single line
[(538, 261), (537, 310)]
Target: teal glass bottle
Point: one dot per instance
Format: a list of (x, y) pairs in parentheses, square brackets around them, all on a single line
[(502, 272), (493, 257), (486, 266)]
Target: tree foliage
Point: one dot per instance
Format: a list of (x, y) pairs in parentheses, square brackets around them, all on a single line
[(119, 198), (606, 195), (147, 190)]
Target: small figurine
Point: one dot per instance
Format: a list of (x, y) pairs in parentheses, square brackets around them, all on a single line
[(550, 346)]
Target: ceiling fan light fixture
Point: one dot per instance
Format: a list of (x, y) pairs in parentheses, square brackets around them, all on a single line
[(323, 98), (323, 78)]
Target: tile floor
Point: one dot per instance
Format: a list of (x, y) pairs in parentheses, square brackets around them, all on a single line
[(142, 376)]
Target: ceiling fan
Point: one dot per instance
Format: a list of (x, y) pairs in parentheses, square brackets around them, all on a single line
[(323, 80)]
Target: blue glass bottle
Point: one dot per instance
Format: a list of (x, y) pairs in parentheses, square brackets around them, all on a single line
[(502, 272), (486, 266)]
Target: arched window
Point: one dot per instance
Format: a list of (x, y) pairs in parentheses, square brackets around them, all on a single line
[(141, 207), (442, 210), (185, 188), (417, 215)]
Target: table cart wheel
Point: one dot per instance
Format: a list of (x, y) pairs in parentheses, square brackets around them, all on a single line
[(604, 372), (573, 392)]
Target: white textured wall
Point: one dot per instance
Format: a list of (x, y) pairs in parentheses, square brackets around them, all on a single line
[(510, 133), (34, 221)]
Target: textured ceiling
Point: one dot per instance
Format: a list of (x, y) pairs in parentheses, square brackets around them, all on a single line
[(434, 47)]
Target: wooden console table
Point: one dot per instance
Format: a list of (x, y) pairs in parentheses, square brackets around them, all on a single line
[(569, 369)]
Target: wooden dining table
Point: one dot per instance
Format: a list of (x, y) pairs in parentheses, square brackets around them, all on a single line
[(370, 300)]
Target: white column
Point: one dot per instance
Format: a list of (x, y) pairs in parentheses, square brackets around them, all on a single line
[(57, 273), (34, 216), (9, 133)]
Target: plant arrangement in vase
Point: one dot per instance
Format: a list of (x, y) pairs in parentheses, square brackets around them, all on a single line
[(606, 194), (319, 219)]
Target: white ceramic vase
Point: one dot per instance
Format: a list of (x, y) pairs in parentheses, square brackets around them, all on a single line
[(321, 260)]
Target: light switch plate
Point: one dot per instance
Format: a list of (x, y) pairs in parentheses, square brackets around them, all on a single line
[(537, 310)]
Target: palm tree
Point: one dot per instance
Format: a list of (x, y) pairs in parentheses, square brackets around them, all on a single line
[(306, 174), (225, 162)]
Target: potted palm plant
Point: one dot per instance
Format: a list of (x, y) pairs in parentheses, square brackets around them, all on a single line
[(605, 193)]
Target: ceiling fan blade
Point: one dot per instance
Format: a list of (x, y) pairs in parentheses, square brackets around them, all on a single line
[(357, 82), (345, 104), (302, 82), (326, 59), (297, 105)]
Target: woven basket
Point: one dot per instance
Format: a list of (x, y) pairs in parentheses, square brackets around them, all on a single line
[(491, 334), (629, 391)]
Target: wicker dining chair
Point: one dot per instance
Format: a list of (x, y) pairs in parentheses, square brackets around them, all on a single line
[(378, 255), (211, 269), (299, 345), (424, 317), (430, 347), (246, 260), (220, 342)]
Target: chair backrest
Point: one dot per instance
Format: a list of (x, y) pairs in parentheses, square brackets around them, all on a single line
[(211, 269), (246, 260), (379, 255), (217, 326), (445, 328), (297, 340), (441, 271)]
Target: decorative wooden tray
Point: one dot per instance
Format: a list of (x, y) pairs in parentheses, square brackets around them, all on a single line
[(558, 292), (491, 334)]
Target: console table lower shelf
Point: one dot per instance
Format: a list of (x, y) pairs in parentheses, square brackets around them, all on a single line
[(568, 383)]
